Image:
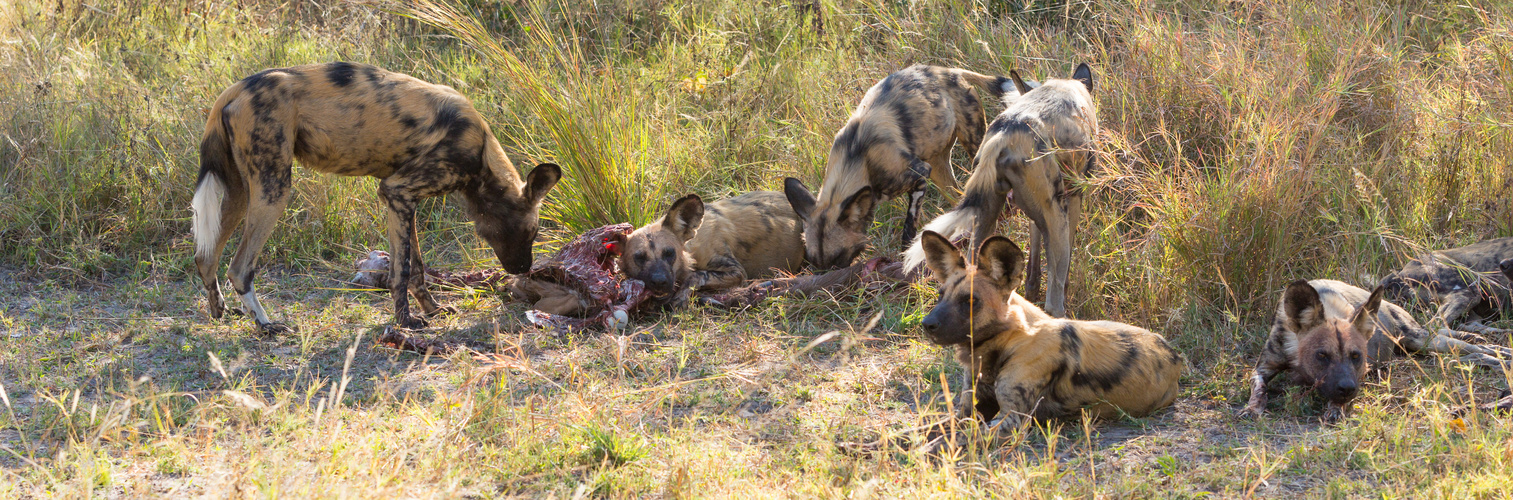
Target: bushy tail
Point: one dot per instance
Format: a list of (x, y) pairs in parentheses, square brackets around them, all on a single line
[(1000, 86), (982, 200), (209, 193), (217, 172)]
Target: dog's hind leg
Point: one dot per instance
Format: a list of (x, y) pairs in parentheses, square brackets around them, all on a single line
[(265, 154), (266, 205)]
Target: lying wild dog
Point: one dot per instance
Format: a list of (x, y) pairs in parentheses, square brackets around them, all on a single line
[(420, 139), (899, 134), (1038, 149), (1031, 364), (717, 246), (1467, 282), (1328, 333)]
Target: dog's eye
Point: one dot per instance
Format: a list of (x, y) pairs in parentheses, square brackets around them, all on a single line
[(1355, 356), (640, 258), (668, 253), (1323, 356)]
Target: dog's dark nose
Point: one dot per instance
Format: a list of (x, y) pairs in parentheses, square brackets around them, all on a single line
[(930, 323), (1347, 388)]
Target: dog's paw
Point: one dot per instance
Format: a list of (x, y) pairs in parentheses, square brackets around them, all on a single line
[(275, 329), (1251, 412)]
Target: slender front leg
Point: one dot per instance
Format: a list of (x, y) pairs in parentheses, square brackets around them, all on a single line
[(418, 279), (401, 240), (1033, 274), (1263, 374)]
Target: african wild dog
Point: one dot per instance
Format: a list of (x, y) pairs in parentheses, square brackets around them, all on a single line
[(1467, 282), (1035, 365), (420, 139), (899, 134), (1037, 149), (1327, 333), (716, 246)]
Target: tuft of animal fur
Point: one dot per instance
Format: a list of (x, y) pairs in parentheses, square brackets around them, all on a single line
[(1038, 149), (1327, 333), (900, 134), (1023, 363)]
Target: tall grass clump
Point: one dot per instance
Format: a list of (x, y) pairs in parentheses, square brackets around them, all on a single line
[(592, 126)]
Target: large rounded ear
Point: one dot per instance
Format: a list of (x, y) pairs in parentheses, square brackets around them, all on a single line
[(540, 181), (684, 216), (1301, 308), (856, 210), (941, 256), (1001, 261), (1364, 317), (799, 197), (1084, 74), (1023, 88)]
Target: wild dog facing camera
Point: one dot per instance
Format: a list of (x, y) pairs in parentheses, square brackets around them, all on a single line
[(656, 253), (1331, 351), (971, 295)]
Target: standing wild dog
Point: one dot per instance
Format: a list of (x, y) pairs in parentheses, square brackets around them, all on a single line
[(1038, 148), (900, 134), (1327, 333), (1034, 365), (716, 246), (1467, 282), (420, 140)]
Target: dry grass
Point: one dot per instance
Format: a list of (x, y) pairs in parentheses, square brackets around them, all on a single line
[(1246, 144)]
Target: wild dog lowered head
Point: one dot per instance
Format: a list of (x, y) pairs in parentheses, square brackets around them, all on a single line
[(420, 139)]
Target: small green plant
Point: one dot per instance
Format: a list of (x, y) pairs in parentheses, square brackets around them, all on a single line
[(603, 444)]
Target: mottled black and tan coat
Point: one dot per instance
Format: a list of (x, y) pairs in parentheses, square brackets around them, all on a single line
[(1021, 362), (1467, 283), (419, 139), (716, 246), (1037, 149), (1328, 333), (900, 134)]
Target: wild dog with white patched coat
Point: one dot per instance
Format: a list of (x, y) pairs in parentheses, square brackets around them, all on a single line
[(419, 139), (1327, 333), (1038, 149), (900, 134)]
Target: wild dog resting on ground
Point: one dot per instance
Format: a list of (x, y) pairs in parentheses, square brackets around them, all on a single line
[(898, 135), (1327, 333), (420, 140), (717, 246), (1031, 364), (1038, 148), (1466, 282)]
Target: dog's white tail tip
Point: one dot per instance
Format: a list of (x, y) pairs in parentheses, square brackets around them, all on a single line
[(207, 214)]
